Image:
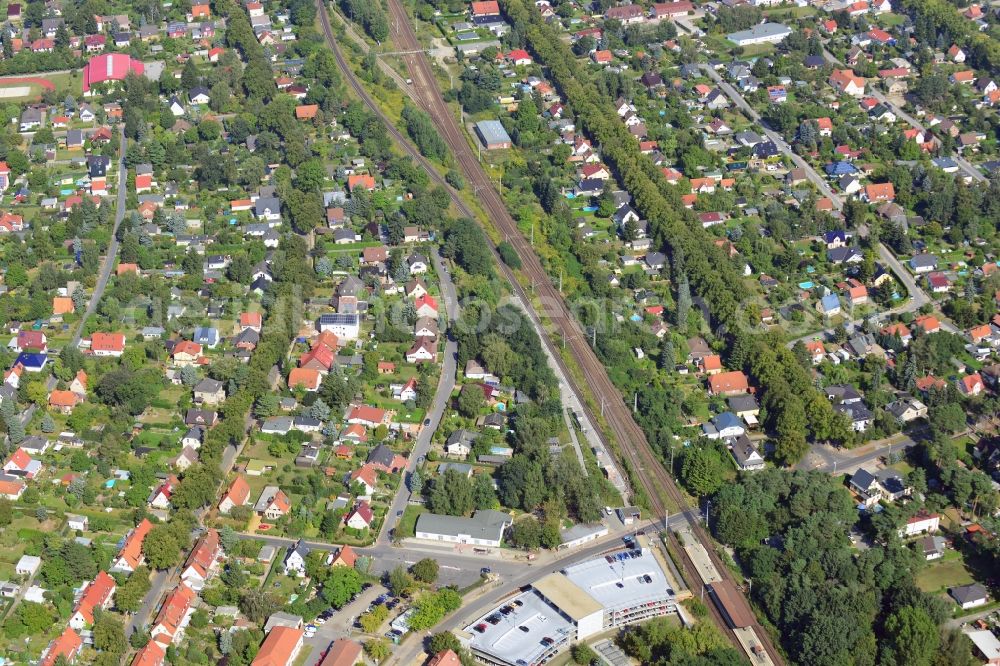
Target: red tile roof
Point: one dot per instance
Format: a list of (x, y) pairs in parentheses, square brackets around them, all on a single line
[(151, 655), (346, 556), (204, 553), (109, 67), (486, 8), (365, 473), (187, 347), (173, 610), (107, 342), (131, 552), (278, 647), (239, 491), (445, 658), (727, 382), (306, 111), (97, 595), (343, 652), (67, 646), (366, 413), (307, 378)]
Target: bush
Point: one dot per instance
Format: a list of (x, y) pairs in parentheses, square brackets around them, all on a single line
[(509, 255), (584, 654), (455, 179)]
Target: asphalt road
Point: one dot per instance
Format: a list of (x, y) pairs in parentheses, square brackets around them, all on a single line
[(109, 259), (833, 460), (457, 567), (411, 649), (446, 384)]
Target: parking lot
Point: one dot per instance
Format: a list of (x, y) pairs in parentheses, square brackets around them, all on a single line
[(340, 625)]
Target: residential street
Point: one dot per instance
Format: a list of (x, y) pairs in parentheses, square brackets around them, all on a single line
[(446, 384), (112, 253), (826, 458), (460, 568), (918, 297), (161, 580), (749, 111), (151, 602), (962, 163)]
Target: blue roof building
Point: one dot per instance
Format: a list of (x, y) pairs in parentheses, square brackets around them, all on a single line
[(839, 169), (32, 362), (207, 336), (829, 305), (724, 426)]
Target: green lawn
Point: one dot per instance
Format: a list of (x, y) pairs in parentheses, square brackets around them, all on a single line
[(947, 572), (783, 13), (408, 523)]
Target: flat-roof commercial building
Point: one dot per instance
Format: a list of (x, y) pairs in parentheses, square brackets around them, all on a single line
[(581, 534), (764, 33), (572, 605), (492, 134), (484, 528)]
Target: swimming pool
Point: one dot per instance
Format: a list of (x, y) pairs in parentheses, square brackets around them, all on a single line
[(806, 285)]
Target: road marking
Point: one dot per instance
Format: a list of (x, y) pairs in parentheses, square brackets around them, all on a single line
[(445, 566)]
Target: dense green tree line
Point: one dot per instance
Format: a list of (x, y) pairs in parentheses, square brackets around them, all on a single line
[(695, 257), (712, 275), (369, 15), (424, 134)]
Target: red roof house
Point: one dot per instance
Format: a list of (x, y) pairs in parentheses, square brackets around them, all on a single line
[(66, 646), (97, 595)]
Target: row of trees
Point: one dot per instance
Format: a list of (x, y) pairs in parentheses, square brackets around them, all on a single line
[(696, 260), (424, 134), (712, 275), (369, 15)]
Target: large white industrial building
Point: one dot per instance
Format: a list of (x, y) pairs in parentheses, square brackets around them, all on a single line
[(571, 605)]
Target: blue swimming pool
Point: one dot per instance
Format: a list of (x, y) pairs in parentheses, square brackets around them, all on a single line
[(806, 285), (589, 209)]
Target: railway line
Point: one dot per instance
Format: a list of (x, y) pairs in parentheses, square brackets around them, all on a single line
[(633, 446)]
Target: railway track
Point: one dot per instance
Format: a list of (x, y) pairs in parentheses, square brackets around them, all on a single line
[(646, 466)]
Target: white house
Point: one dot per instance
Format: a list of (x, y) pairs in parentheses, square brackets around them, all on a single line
[(920, 524), (27, 565), (344, 326), (484, 528), (361, 517), (77, 523), (295, 560)]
